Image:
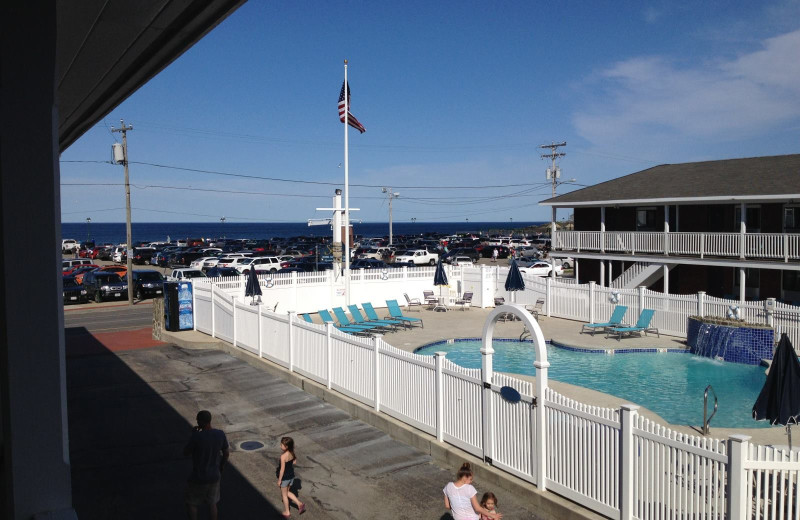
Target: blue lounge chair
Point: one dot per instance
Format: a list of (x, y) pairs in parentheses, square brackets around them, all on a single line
[(642, 326), (327, 318), (306, 317), (359, 319), (396, 314), (372, 316), (614, 321), (344, 321)]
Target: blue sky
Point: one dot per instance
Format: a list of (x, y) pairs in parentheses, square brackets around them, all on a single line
[(453, 94)]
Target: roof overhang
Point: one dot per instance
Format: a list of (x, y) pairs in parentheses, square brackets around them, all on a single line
[(721, 199), (107, 50)]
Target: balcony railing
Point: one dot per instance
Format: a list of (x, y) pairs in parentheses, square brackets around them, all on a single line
[(776, 246)]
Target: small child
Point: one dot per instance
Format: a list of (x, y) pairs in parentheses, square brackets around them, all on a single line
[(489, 501)]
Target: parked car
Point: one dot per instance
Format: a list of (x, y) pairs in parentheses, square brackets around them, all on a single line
[(147, 283), (178, 275), (417, 257), (119, 270), (469, 252), (73, 292), (216, 272), (142, 255), (119, 255), (259, 263), (69, 245), (541, 268), (81, 271), (462, 261), (104, 285), (68, 265), (502, 251), (368, 263)]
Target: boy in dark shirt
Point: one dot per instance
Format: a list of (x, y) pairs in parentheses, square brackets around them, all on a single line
[(209, 450)]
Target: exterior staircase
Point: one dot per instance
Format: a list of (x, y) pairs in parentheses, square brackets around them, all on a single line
[(640, 273)]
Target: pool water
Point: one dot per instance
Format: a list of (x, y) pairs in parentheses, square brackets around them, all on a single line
[(669, 384)]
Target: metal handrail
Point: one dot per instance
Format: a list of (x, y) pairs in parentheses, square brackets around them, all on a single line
[(705, 408)]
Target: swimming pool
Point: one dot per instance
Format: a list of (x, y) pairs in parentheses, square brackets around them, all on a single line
[(669, 384)]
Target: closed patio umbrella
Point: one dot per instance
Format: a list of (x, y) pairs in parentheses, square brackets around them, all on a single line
[(779, 400), (514, 281), (252, 288), (440, 279)]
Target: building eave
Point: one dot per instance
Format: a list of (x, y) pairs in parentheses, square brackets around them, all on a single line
[(720, 199)]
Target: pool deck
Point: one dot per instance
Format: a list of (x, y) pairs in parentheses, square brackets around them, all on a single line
[(453, 324)]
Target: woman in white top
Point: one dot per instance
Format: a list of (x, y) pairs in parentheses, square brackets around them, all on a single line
[(459, 497)]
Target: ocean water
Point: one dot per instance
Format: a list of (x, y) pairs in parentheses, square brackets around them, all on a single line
[(114, 232), (669, 384)]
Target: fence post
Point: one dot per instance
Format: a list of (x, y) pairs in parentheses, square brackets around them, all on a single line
[(548, 295), (194, 308), (487, 413), (377, 370), (737, 505), (439, 385), (233, 302), (641, 298), (769, 309), (628, 415), (591, 301), (213, 313), (541, 424), (291, 316), (701, 303), (328, 350), (260, 348)]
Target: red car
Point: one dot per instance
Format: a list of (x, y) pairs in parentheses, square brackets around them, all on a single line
[(76, 268)]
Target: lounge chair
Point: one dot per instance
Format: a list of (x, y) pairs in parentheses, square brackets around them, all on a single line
[(614, 321), (358, 331), (412, 302), (396, 313), (642, 326), (372, 316), (430, 298), (359, 319), (536, 309), (506, 315), (465, 301), (344, 321), (306, 317)]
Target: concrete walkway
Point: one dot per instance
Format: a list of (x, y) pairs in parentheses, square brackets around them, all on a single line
[(131, 412)]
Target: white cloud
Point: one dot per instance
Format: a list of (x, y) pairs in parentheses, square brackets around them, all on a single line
[(655, 98)]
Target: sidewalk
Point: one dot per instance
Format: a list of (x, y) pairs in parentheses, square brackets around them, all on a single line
[(131, 412)]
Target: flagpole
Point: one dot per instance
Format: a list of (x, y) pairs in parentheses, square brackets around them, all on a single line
[(346, 191)]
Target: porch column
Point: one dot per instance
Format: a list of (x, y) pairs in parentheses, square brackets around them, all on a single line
[(666, 229), (553, 230), (602, 274), (741, 284), (742, 227), (602, 229), (610, 273), (665, 269)]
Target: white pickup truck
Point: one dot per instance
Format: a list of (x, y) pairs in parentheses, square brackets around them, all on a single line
[(179, 275), (417, 257)]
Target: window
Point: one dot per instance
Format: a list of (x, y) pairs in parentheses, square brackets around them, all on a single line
[(646, 219), (791, 219), (791, 281)]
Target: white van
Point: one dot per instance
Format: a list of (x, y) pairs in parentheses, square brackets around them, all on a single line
[(69, 245)]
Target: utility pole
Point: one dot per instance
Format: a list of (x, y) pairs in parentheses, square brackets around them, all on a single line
[(554, 172), (392, 195), (124, 131)]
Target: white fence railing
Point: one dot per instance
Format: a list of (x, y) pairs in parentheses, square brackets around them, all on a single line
[(611, 461), (779, 246)]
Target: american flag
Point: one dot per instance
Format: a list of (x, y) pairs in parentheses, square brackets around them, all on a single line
[(351, 120)]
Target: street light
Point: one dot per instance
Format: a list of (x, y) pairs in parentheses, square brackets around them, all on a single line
[(88, 221), (222, 219)]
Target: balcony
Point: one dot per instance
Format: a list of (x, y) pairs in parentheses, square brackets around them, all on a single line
[(783, 247)]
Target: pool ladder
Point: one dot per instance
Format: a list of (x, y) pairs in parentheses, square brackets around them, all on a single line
[(706, 418)]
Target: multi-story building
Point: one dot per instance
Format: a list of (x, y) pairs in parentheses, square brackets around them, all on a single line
[(730, 228)]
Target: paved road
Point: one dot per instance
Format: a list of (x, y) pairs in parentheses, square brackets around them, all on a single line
[(112, 317)]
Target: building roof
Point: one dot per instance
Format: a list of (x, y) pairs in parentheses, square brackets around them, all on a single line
[(750, 179)]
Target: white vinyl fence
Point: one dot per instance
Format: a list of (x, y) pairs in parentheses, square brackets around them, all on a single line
[(611, 461)]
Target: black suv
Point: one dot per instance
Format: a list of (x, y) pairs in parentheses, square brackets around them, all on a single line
[(102, 285), (471, 252), (73, 291), (147, 283)]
